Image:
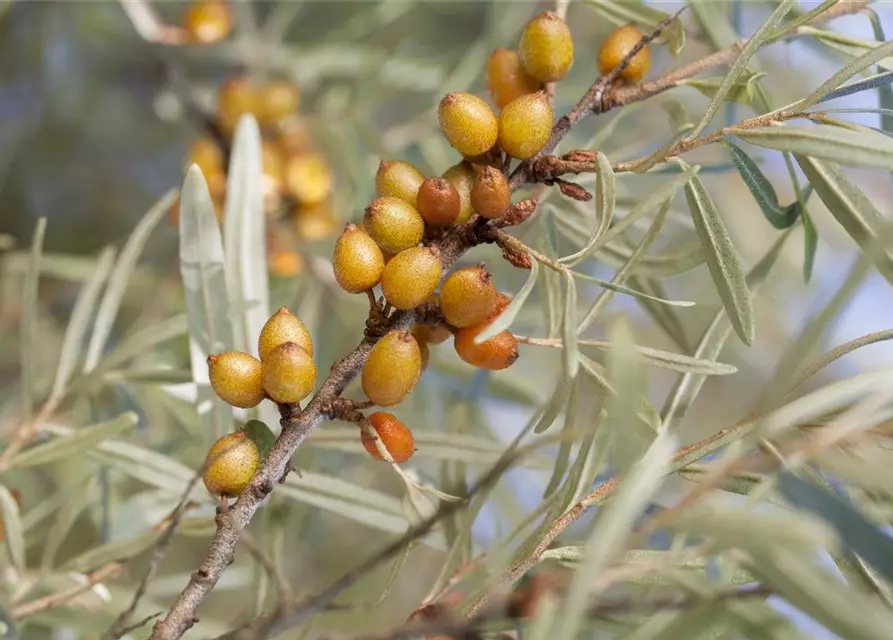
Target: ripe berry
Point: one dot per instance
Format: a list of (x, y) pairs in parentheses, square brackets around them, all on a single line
[(394, 435), (283, 326), (272, 161), (499, 305), (284, 262), (499, 352), (308, 178), (430, 334), (294, 136), (525, 125), (315, 223), (392, 368), (207, 154), (230, 465), (411, 276), (398, 179), (468, 123), (439, 202), (616, 47), (358, 262), (236, 378), (546, 48), (277, 100), (491, 195), (506, 78), (467, 297), (208, 21), (462, 177), (393, 223), (235, 97), (289, 373)]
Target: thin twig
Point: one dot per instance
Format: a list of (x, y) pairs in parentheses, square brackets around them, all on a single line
[(107, 572)]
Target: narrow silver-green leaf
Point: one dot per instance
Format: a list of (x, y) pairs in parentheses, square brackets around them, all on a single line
[(570, 354), (12, 527), (80, 440), (627, 379), (605, 195), (848, 44), (742, 90), (152, 468), (112, 551), (505, 319), (617, 288), (80, 495), (838, 352), (673, 361), (760, 187), (555, 405), (801, 20), (722, 260), (29, 319)]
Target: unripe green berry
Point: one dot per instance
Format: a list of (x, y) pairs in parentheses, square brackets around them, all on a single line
[(411, 276), (236, 378), (392, 368), (506, 78), (283, 326), (439, 202), (289, 373), (617, 46), (468, 123), (499, 352), (393, 223), (525, 125), (462, 177), (398, 179), (546, 48), (358, 262), (467, 297), (394, 435), (230, 465), (491, 195)]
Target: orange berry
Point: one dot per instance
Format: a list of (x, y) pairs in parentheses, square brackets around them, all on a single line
[(236, 378), (428, 334), (285, 263), (394, 435), (392, 368), (294, 136), (231, 463), (506, 78), (499, 304), (467, 297), (616, 47), (468, 123), (491, 195), (315, 223), (272, 161), (208, 21), (393, 223), (439, 202), (277, 100), (358, 261), (308, 178), (411, 277), (546, 48), (236, 96), (207, 154), (499, 352), (525, 125), (289, 373), (462, 177), (283, 326), (398, 179)]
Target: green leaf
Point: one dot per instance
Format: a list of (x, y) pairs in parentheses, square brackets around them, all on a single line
[(570, 353), (715, 24), (722, 260), (635, 11), (800, 20), (838, 352), (29, 319), (111, 552), (626, 443), (605, 194), (851, 45), (505, 319), (152, 468), (12, 527), (810, 244), (742, 90), (761, 189), (556, 404), (83, 493), (81, 439), (885, 92), (663, 316), (673, 361), (262, 436), (631, 292)]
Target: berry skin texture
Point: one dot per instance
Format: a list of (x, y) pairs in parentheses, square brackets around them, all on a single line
[(308, 178), (468, 123), (277, 100), (616, 46), (230, 465), (546, 48), (289, 373), (208, 21), (439, 202), (283, 326), (462, 177), (499, 352), (491, 195), (236, 378), (392, 368), (398, 179), (411, 276), (235, 97), (358, 262), (393, 223), (525, 125), (394, 435), (467, 297), (430, 335), (506, 78)]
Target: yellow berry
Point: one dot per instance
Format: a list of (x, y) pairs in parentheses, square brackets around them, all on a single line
[(616, 47), (411, 276), (525, 125), (394, 435), (308, 178), (277, 100), (546, 48), (358, 262), (398, 179), (285, 263), (272, 161), (230, 465), (207, 154), (428, 334), (468, 123), (439, 202), (236, 97), (236, 378), (393, 223), (506, 78), (315, 223), (283, 326), (491, 195), (392, 368), (294, 136), (499, 352), (208, 21), (467, 297), (289, 373), (462, 177)]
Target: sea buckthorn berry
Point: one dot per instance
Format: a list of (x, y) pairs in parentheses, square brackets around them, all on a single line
[(272, 161), (506, 78), (230, 465), (411, 276), (289, 373), (236, 378), (315, 223), (468, 123), (525, 125), (394, 435), (283, 326), (398, 179), (207, 154), (499, 352), (284, 262), (393, 223), (308, 178), (546, 48), (499, 304), (208, 21), (277, 100), (392, 368), (616, 47), (294, 136), (358, 262), (462, 177), (491, 195), (235, 97), (439, 202), (467, 297), (430, 334)]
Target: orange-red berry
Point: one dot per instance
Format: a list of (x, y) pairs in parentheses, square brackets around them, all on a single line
[(394, 435), (491, 195), (439, 202), (467, 297), (506, 78), (499, 352), (208, 21)]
